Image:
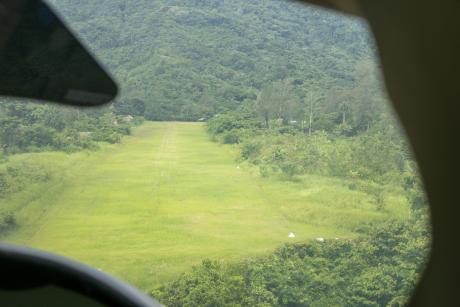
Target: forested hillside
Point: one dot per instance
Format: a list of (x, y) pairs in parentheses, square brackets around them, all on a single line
[(193, 59)]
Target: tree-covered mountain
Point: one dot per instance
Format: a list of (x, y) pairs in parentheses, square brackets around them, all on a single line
[(192, 59)]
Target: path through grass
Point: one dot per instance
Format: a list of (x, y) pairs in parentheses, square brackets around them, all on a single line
[(167, 197)]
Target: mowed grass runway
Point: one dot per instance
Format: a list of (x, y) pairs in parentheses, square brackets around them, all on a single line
[(167, 197)]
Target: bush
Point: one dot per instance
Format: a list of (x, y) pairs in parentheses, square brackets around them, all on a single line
[(290, 169), (292, 130), (250, 149), (7, 222), (106, 136), (138, 120), (232, 121), (231, 137), (264, 171), (377, 191), (16, 176), (4, 184)]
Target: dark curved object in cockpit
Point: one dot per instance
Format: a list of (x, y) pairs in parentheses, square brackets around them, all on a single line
[(41, 59)]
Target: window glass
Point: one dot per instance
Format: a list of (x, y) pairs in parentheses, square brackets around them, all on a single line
[(251, 158)]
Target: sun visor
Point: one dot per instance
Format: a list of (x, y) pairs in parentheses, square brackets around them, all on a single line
[(41, 59)]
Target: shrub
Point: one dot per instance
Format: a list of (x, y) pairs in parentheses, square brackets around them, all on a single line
[(264, 171), (377, 191), (288, 130), (7, 222), (290, 169), (107, 136), (4, 185), (231, 137), (250, 149), (14, 177)]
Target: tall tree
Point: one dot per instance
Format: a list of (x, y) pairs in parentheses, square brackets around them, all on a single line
[(313, 97), (277, 101), (368, 95)]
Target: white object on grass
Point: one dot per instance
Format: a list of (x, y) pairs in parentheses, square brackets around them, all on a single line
[(291, 235)]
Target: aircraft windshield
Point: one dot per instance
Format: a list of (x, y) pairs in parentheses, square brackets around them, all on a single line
[(251, 159)]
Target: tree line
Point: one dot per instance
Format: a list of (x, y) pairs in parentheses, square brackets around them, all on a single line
[(349, 132), (32, 127)]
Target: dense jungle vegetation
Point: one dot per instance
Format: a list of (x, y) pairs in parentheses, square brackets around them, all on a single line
[(294, 90), (193, 59)]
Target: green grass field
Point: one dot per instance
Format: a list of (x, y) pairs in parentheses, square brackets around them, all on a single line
[(167, 197)]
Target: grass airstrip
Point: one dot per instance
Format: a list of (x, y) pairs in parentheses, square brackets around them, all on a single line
[(167, 197)]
